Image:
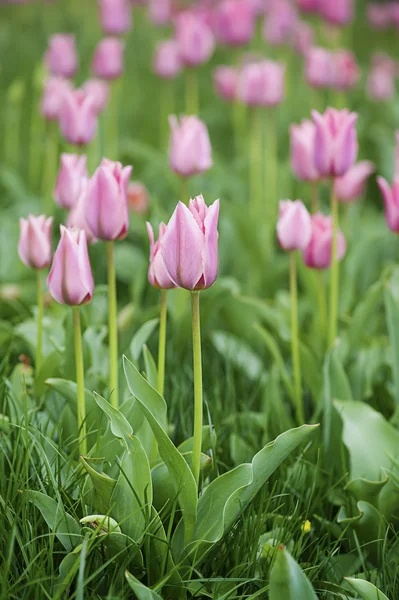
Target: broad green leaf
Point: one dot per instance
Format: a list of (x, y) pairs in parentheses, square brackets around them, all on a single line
[(368, 524), (278, 359), (392, 316), (336, 387), (62, 524), (142, 591), (150, 367), (68, 568), (287, 580), (363, 313), (141, 337), (208, 440), (365, 589), (103, 486), (68, 390), (120, 426), (182, 477), (239, 353)]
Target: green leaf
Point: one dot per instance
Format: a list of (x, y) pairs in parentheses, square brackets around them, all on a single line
[(142, 591), (336, 387), (103, 486), (392, 317), (120, 426), (141, 337), (365, 589), (208, 440), (144, 392), (69, 390), (364, 312), (287, 580), (239, 353), (278, 359), (62, 524), (150, 367)]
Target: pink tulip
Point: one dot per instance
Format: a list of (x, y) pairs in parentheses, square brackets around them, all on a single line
[(107, 61), (280, 22), (303, 37), (293, 226), (115, 16), (53, 97), (319, 68), (99, 91), (34, 246), (225, 82), (61, 57), (78, 117), (69, 180), (379, 16), (381, 79), (317, 254), (138, 199), (190, 151), (346, 70), (107, 212), (160, 11), (262, 83), (235, 22), (77, 215), (308, 6), (167, 62), (70, 280), (335, 142), (189, 246), (352, 185), (302, 151), (337, 12), (157, 274), (195, 39), (391, 202)]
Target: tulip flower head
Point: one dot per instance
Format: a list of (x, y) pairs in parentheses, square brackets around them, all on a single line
[(69, 180), (346, 70), (302, 151), (70, 280), (190, 151), (381, 78), (189, 246), (99, 91), (77, 215), (34, 246), (157, 274), (337, 12), (335, 141), (61, 58), (379, 16), (280, 22), (319, 67), (390, 196), (317, 254), (225, 82), (167, 62), (308, 6), (262, 83), (54, 91), (195, 39), (235, 22), (107, 212), (78, 117), (351, 186), (108, 57), (303, 37), (160, 11), (115, 16), (293, 226)]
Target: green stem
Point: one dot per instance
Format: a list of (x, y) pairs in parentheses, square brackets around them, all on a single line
[(315, 197), (197, 361), (50, 165), (239, 114), (295, 341), (40, 312), (270, 165), (81, 408), (112, 326), (112, 124), (192, 93), (334, 285), (255, 167), (167, 94), (322, 304), (184, 195), (162, 343)]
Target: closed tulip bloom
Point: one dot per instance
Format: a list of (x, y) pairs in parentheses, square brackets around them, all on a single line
[(293, 225), (190, 151), (337, 12), (317, 254), (390, 196), (69, 180), (160, 11), (380, 85), (54, 91), (346, 70), (189, 246), (235, 22), (157, 273), (225, 82), (302, 138), (379, 16), (280, 22), (70, 280), (308, 6), (335, 142), (99, 91), (115, 16), (195, 39), (61, 57), (352, 185), (77, 215), (262, 83), (319, 68), (78, 117), (34, 246), (167, 62), (107, 212), (303, 37), (108, 57)]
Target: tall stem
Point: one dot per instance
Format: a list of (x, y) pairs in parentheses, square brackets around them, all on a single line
[(197, 361), (255, 167), (322, 304), (81, 408), (112, 326), (334, 285), (50, 165), (295, 341), (40, 312), (315, 205), (184, 196), (239, 115), (192, 93), (270, 165), (167, 93), (162, 343), (112, 127)]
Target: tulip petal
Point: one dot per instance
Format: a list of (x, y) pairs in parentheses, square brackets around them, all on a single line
[(210, 255), (322, 145), (345, 146)]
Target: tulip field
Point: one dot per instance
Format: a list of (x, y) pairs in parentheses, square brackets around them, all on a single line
[(199, 299)]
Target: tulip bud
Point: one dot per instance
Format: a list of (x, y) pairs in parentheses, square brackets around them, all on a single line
[(261, 83), (167, 63), (157, 274), (160, 11), (53, 97), (70, 280), (302, 151), (195, 39), (61, 58), (189, 246), (308, 6), (319, 68), (337, 12), (235, 22), (108, 58), (293, 226), (303, 37), (106, 202), (225, 82), (381, 79), (77, 215), (99, 91), (69, 179), (78, 117), (317, 254), (138, 199), (280, 23), (115, 16), (34, 246), (379, 16), (346, 70), (351, 185), (190, 151), (335, 142), (390, 196)]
